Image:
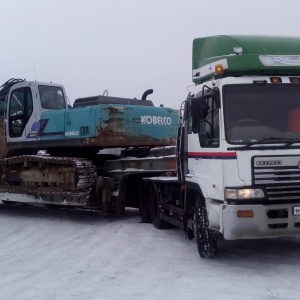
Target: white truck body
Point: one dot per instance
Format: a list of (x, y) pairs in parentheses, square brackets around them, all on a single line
[(214, 169), (238, 146)]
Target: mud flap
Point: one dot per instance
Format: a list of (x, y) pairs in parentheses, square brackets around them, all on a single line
[(104, 186)]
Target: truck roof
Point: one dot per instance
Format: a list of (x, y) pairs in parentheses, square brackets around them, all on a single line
[(245, 55)]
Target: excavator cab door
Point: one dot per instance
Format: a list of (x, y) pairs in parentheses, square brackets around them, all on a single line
[(19, 111), (22, 112)]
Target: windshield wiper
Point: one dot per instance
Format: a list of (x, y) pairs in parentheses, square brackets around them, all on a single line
[(287, 141)]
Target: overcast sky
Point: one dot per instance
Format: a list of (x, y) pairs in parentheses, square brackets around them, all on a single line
[(125, 46)]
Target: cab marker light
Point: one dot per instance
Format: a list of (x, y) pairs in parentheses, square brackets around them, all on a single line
[(219, 70), (294, 79), (238, 50), (275, 79)]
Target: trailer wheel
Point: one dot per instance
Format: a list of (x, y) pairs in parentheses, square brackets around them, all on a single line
[(144, 203), (206, 244), (154, 207)]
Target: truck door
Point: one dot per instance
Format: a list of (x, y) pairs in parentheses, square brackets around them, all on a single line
[(205, 155), (20, 109)]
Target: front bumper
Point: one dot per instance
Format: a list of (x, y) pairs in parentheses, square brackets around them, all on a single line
[(268, 221)]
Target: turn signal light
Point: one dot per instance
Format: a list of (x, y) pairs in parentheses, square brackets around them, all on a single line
[(245, 214)]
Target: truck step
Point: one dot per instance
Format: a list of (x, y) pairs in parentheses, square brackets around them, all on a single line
[(179, 211), (172, 221)]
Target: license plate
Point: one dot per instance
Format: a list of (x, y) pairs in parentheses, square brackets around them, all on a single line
[(296, 210)]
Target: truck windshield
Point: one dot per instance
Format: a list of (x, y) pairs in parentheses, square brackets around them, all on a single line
[(261, 112)]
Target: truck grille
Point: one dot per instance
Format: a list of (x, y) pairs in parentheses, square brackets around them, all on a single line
[(287, 193), (276, 175), (276, 169), (279, 174)]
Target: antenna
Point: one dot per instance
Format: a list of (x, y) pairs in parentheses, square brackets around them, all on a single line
[(34, 72)]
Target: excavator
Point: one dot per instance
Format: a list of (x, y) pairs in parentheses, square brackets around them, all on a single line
[(52, 153)]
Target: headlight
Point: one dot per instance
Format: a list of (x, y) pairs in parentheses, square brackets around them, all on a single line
[(244, 193)]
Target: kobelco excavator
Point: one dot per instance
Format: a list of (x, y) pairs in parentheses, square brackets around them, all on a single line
[(50, 150)]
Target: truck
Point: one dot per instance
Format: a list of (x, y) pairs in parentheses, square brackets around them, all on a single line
[(226, 165), (81, 156), (238, 145)]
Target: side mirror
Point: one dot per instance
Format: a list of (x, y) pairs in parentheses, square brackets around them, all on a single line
[(199, 108), (199, 105)]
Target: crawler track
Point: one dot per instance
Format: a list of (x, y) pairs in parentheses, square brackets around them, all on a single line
[(48, 180)]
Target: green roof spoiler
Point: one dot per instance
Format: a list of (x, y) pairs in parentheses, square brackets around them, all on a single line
[(245, 55)]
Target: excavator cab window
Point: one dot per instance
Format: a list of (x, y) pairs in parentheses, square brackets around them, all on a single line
[(2, 108), (52, 97), (20, 110)]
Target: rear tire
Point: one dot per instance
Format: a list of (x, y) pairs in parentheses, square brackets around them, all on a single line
[(206, 244), (155, 211)]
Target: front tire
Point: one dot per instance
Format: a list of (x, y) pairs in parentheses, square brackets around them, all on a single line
[(206, 244)]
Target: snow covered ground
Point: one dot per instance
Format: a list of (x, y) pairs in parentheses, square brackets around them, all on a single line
[(61, 254)]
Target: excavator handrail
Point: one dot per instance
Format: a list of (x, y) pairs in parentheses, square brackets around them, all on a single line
[(5, 87)]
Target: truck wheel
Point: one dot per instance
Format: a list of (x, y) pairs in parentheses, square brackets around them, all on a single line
[(154, 208), (207, 245), (144, 203)]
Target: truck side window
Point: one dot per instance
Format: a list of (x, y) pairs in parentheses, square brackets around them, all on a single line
[(208, 129), (20, 110), (52, 97)]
